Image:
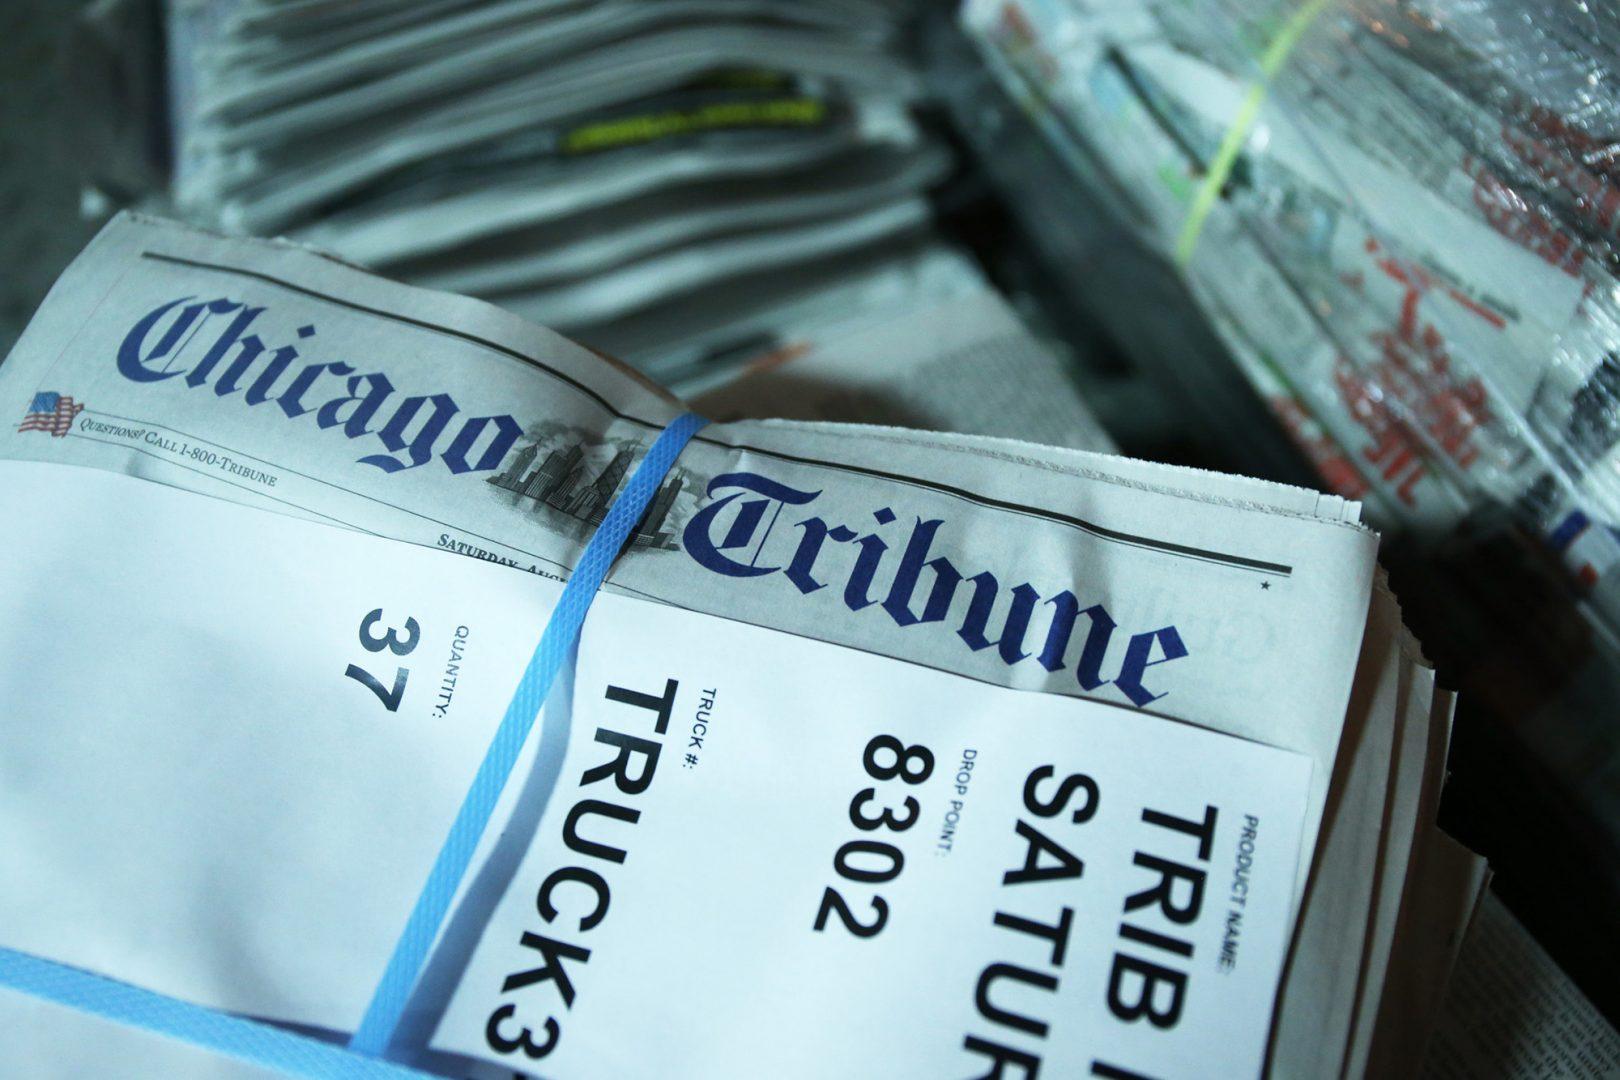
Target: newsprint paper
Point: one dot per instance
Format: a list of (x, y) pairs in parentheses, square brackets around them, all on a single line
[(743, 856), (279, 379)]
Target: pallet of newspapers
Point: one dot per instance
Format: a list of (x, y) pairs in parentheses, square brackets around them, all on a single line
[(880, 752)]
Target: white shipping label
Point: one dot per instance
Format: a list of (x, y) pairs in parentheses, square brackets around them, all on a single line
[(770, 856), (727, 849)]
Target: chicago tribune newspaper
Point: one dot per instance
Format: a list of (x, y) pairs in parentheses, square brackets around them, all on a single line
[(274, 377), (722, 834)]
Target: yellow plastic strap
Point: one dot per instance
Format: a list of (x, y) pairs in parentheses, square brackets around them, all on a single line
[(1220, 168)]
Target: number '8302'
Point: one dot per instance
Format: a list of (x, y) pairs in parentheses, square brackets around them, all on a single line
[(869, 860)]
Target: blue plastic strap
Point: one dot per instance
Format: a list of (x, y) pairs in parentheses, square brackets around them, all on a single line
[(388, 1001), (245, 1040), (297, 1055)]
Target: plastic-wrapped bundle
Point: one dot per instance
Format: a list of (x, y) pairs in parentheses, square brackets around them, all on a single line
[(1400, 215)]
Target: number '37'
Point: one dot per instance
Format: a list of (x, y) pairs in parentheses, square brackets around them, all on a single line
[(389, 639)]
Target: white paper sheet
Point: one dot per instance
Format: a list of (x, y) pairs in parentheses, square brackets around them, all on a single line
[(208, 805)]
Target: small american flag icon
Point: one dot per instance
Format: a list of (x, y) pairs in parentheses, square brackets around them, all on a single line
[(50, 412)]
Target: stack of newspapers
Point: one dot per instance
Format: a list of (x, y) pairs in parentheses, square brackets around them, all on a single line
[(883, 751), (1400, 217), (622, 170)]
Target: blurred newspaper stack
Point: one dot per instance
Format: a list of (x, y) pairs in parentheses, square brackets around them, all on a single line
[(620, 169), (1242, 866), (1399, 217)]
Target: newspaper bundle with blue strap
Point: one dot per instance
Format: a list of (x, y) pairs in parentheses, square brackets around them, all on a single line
[(883, 751)]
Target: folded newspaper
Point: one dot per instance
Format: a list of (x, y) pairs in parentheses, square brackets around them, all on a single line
[(883, 751)]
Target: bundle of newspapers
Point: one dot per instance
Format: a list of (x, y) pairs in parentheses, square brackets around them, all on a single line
[(881, 752), (622, 170), (1398, 215)]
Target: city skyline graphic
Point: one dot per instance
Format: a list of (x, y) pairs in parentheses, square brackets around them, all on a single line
[(564, 482)]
